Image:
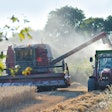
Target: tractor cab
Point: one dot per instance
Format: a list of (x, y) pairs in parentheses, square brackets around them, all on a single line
[(105, 62), (102, 75)]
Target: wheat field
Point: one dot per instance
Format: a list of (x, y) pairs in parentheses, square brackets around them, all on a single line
[(13, 96)]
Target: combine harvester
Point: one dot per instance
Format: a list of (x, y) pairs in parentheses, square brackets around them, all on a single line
[(33, 65)]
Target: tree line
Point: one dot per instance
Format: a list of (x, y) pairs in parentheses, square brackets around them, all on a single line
[(66, 20), (61, 23)]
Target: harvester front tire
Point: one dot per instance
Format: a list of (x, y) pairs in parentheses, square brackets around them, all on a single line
[(91, 84)]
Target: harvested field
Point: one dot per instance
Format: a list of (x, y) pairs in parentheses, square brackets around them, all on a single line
[(73, 99), (11, 97), (79, 104), (45, 100)]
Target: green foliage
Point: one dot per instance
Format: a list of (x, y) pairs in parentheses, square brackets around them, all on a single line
[(25, 32), (1, 35), (63, 21), (14, 19), (17, 26), (2, 67), (108, 24), (27, 71), (66, 20), (92, 25), (2, 56), (14, 70), (21, 35)]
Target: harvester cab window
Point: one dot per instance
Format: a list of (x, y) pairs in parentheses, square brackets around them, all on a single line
[(24, 54), (41, 56)]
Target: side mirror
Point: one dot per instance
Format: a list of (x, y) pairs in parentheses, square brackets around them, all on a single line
[(91, 59)]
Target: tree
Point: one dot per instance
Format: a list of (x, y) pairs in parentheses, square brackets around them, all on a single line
[(92, 25), (108, 23), (17, 27), (63, 21)]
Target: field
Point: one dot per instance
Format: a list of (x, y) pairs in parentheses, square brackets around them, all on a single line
[(73, 99), (11, 97)]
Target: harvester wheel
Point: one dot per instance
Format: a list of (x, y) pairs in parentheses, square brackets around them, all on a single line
[(53, 89), (91, 84), (40, 89)]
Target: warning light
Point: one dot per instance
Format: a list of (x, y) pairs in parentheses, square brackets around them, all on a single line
[(39, 59)]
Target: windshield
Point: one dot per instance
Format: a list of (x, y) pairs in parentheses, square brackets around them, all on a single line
[(24, 54), (105, 63)]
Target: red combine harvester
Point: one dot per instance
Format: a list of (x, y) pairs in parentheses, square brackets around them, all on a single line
[(37, 66)]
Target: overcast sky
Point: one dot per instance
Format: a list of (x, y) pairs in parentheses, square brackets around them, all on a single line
[(37, 10)]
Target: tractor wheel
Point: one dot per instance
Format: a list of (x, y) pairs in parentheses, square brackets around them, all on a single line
[(91, 84)]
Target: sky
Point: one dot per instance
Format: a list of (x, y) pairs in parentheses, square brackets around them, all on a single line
[(36, 11)]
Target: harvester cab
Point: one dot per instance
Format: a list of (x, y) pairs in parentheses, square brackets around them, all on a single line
[(34, 65), (35, 56)]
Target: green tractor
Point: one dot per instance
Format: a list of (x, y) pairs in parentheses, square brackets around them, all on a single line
[(102, 72)]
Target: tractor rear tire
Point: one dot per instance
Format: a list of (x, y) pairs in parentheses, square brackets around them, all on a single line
[(91, 84)]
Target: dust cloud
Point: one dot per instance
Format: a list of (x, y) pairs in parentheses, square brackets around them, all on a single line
[(79, 66)]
